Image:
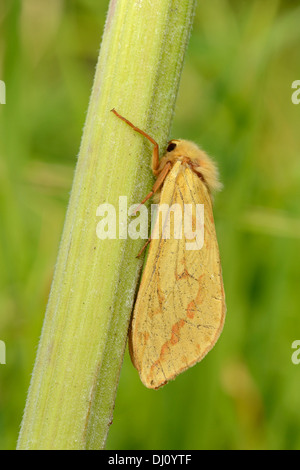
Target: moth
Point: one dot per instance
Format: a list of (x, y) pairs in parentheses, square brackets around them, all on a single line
[(180, 307)]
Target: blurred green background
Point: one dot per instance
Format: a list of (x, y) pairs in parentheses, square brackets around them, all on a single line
[(235, 101)]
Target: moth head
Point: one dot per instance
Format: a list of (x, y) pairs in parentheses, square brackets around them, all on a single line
[(198, 160)]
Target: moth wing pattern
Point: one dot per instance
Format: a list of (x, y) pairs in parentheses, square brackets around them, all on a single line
[(180, 308)]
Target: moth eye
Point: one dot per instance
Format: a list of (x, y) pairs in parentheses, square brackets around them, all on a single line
[(171, 147)]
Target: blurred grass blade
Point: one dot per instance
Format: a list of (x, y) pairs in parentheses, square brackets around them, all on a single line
[(72, 392)]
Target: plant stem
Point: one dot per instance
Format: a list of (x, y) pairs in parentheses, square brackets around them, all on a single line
[(72, 392)]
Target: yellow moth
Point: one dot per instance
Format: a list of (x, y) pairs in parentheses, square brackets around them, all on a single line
[(180, 307)]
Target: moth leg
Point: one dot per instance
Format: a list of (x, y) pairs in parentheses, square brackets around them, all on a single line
[(155, 154), (155, 164), (160, 179), (156, 186), (143, 248)]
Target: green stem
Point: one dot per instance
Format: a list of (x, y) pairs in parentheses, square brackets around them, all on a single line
[(72, 392)]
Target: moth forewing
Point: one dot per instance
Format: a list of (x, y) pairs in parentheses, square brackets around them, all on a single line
[(180, 309)]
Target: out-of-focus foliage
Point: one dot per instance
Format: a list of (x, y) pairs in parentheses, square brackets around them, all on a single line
[(235, 101)]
